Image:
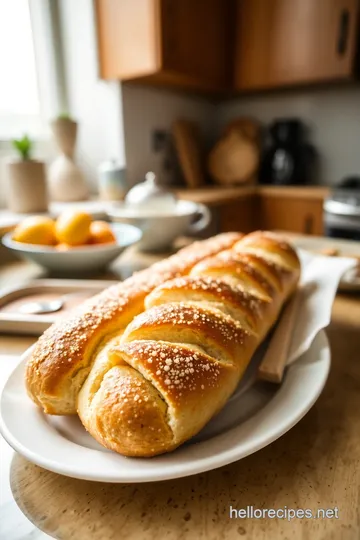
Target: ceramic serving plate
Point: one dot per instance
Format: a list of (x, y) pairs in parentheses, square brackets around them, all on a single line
[(256, 415)]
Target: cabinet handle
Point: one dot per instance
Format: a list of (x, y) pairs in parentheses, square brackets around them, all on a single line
[(309, 224), (343, 32)]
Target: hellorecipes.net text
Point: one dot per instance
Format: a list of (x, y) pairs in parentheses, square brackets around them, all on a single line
[(251, 512)]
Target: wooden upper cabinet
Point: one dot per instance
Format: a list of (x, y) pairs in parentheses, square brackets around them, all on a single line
[(184, 43), (284, 42), (127, 37)]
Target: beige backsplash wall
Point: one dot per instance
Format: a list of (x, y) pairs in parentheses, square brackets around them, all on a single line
[(146, 109), (333, 116)]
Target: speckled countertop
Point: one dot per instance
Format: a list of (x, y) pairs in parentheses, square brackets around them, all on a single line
[(13, 524)]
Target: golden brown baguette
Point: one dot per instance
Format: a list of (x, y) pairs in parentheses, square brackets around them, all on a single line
[(64, 354), (178, 362)]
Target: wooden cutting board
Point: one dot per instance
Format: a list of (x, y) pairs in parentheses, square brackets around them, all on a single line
[(234, 159), (249, 127), (188, 148)]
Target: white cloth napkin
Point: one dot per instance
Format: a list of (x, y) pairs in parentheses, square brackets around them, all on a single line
[(320, 278)]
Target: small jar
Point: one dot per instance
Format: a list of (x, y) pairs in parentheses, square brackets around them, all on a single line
[(112, 181)]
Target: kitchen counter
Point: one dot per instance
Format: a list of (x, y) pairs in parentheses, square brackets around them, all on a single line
[(314, 465)]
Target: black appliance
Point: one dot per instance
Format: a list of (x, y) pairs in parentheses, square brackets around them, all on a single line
[(288, 159)]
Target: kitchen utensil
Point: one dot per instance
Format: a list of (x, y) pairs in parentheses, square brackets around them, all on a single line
[(273, 364), (50, 306), (82, 259), (75, 290), (234, 159), (249, 127), (187, 144)]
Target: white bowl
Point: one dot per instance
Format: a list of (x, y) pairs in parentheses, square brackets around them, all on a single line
[(83, 259), (161, 227)]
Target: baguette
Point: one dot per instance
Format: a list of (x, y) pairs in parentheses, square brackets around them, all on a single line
[(63, 355), (179, 361), (165, 349)]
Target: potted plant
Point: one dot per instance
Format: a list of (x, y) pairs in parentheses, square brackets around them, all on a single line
[(26, 191), (66, 180)]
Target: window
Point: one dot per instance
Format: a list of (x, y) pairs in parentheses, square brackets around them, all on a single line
[(31, 89)]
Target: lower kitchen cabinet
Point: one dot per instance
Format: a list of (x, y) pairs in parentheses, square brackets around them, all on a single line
[(303, 216), (239, 215), (292, 209)]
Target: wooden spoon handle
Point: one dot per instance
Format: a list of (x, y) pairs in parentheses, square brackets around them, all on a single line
[(273, 364)]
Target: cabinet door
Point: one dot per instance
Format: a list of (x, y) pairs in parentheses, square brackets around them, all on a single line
[(282, 42), (239, 215), (291, 214), (128, 36), (195, 40)]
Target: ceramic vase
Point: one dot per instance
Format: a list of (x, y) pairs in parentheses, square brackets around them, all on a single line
[(66, 180), (26, 186)]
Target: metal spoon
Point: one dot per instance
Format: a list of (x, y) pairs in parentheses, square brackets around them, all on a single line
[(47, 306)]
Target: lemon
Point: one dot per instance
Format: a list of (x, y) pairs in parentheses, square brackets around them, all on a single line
[(101, 233), (35, 230), (73, 228)]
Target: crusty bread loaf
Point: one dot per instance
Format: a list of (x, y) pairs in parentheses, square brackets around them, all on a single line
[(179, 361), (64, 354), (148, 386)]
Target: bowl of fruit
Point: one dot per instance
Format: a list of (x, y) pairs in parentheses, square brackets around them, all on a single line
[(73, 243)]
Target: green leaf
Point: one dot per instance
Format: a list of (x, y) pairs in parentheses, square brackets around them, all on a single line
[(23, 146)]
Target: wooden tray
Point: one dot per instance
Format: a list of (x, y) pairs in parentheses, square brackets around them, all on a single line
[(12, 322)]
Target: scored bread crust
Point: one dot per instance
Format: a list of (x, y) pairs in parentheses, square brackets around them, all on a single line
[(64, 354), (178, 362), (155, 370)]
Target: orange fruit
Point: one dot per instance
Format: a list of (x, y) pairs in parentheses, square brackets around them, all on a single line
[(35, 230), (73, 228), (101, 233), (63, 247)]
